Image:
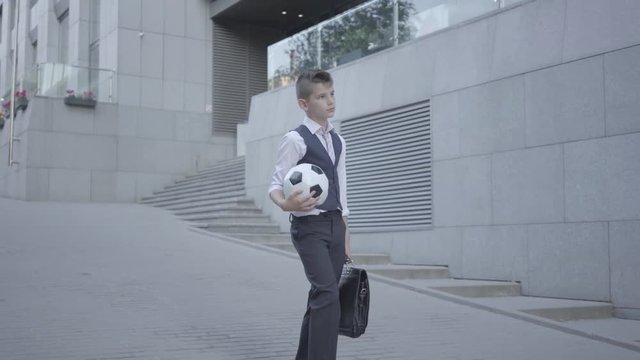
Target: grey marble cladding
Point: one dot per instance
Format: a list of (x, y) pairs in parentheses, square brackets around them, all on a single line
[(622, 90), (528, 37), (495, 252), (492, 117), (569, 261), (462, 191), (594, 27), (625, 263), (527, 186), (565, 102), (601, 178)]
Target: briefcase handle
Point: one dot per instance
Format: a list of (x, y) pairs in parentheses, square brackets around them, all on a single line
[(346, 269)]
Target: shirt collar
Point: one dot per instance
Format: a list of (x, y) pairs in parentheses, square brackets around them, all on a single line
[(314, 127)]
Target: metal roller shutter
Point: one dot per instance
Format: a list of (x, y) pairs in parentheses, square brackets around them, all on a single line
[(239, 71), (389, 168), (229, 73)]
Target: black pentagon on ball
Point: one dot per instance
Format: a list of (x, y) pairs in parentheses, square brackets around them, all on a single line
[(317, 169), (295, 178), (317, 189)]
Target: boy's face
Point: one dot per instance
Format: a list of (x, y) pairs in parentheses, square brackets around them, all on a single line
[(321, 104)]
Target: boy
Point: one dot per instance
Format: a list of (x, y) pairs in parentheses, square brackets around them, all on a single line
[(318, 232)]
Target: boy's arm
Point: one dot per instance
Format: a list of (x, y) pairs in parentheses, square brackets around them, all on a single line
[(295, 202), (347, 237), (290, 151), (342, 178)]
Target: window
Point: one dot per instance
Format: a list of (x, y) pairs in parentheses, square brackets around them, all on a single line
[(63, 37), (1, 21), (34, 54), (94, 21), (94, 45), (12, 19)]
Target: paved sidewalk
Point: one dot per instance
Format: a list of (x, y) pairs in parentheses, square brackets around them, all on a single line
[(112, 281)]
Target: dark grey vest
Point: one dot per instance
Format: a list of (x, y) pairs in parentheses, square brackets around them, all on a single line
[(317, 155)]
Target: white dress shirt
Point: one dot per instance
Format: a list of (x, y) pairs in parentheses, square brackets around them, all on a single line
[(292, 149)]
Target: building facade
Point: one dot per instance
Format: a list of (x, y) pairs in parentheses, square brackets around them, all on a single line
[(147, 63)]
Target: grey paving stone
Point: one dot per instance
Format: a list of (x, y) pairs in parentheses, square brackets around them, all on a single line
[(109, 281)]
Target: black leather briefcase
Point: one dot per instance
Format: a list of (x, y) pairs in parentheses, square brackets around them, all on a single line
[(354, 301)]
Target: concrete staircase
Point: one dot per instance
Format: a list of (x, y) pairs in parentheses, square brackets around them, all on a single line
[(214, 199)]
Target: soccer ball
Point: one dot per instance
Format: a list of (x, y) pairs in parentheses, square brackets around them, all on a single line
[(307, 177)]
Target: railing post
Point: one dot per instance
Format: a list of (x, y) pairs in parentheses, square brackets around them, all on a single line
[(396, 12), (111, 87), (319, 47), (13, 86)]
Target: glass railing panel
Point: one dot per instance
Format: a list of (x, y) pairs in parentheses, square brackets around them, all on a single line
[(288, 57), (367, 29), (357, 33), (61, 80), (433, 15)]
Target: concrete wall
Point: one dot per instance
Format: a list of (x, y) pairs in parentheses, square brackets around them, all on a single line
[(157, 129), (536, 136), (112, 153)]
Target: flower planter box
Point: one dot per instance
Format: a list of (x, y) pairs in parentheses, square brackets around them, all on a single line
[(76, 101)]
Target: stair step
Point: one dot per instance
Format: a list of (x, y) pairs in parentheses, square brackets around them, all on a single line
[(551, 308), (470, 288), (219, 167), (160, 202), (210, 188), (370, 259), (195, 194), (213, 203), (231, 228), (206, 182), (402, 272), (214, 210), (223, 219), (234, 171), (264, 238), (286, 246), (613, 328)]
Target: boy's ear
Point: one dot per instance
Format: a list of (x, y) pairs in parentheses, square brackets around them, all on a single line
[(302, 103)]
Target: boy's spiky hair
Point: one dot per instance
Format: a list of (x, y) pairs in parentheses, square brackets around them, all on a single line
[(308, 78)]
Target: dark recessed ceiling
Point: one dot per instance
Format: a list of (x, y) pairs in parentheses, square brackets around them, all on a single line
[(268, 13)]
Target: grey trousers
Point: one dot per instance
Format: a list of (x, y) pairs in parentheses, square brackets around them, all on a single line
[(319, 240)]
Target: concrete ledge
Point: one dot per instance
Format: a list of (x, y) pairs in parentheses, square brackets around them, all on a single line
[(408, 271), (574, 313), (471, 288), (370, 259), (627, 313)]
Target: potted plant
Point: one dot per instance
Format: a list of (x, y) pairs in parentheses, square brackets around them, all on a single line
[(4, 112), (21, 100), (21, 103), (86, 99)]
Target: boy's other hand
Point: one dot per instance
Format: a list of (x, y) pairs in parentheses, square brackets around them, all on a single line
[(296, 201)]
